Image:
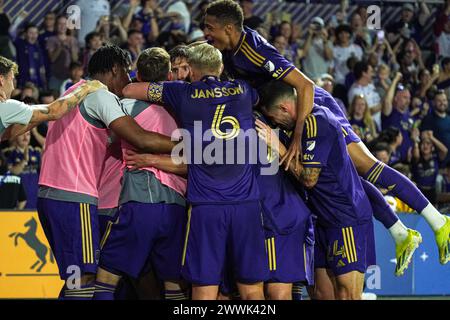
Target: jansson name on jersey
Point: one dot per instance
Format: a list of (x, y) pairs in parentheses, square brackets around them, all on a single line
[(217, 92)]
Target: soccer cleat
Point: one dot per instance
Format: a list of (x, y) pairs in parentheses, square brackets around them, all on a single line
[(405, 250), (443, 241)]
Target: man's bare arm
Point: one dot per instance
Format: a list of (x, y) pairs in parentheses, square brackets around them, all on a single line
[(161, 162), (136, 91), (151, 142), (310, 176)]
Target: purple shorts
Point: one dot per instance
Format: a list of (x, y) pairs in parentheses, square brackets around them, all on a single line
[(145, 233), (73, 234), (289, 257), (221, 234), (346, 249)]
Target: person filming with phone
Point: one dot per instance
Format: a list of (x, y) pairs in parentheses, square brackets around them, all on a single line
[(317, 50)]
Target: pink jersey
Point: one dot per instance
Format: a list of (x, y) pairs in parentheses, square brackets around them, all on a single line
[(156, 119), (110, 180), (74, 154)]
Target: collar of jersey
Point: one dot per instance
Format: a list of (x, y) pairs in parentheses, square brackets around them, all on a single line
[(205, 78), (241, 41)]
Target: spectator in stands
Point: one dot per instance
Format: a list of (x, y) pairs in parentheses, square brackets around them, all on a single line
[(383, 81), (317, 50), (419, 109), (360, 118), (410, 24), (382, 152), (360, 31), (91, 12), (12, 192), (146, 17), (250, 20), (439, 121), (426, 81), (286, 29), (29, 90), (425, 166), (443, 81), (342, 51), (30, 58), (326, 81), (47, 31), (393, 137), (364, 86), (281, 44), (134, 47), (7, 48), (62, 50), (179, 61), (24, 161), (111, 30), (93, 42), (395, 113), (76, 74), (442, 16), (443, 190), (443, 42), (410, 60)]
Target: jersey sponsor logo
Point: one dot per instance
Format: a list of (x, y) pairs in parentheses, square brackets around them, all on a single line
[(278, 73), (310, 145), (308, 157)]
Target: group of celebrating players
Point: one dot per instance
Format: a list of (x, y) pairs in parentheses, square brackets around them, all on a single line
[(117, 199)]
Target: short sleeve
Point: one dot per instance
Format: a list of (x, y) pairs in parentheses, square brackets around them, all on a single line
[(15, 112), (269, 60), (316, 142), (104, 106)]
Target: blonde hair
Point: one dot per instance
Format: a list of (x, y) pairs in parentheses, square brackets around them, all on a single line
[(367, 117), (205, 58)]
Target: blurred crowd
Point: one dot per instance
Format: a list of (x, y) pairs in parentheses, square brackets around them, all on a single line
[(393, 89)]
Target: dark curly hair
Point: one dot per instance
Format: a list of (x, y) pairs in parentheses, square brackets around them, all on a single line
[(105, 58)]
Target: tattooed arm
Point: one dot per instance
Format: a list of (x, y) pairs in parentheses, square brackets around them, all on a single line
[(55, 110), (310, 176)]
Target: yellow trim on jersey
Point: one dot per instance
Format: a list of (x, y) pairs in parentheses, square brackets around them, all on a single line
[(349, 244), (253, 52), (240, 45), (284, 72), (269, 253), (311, 126), (251, 58), (188, 227), (345, 132), (375, 178), (303, 162)]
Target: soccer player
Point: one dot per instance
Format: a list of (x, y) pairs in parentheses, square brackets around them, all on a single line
[(224, 198), (179, 62), (344, 236), (152, 217), (74, 155), (17, 118), (250, 57), (276, 93)]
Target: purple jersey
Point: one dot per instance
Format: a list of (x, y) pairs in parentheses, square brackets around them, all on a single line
[(404, 122), (283, 208), (255, 60), (338, 199), (212, 110)]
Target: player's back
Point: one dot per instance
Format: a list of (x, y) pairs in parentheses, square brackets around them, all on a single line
[(338, 198), (216, 115)]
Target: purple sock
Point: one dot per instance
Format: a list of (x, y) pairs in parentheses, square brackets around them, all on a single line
[(399, 185), (104, 291), (382, 211), (85, 292)]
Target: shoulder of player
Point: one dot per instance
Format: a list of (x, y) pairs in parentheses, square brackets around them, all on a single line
[(102, 95), (318, 123), (253, 47)]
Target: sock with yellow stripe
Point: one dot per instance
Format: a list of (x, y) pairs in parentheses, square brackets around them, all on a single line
[(104, 291), (176, 295), (84, 292), (397, 184)]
